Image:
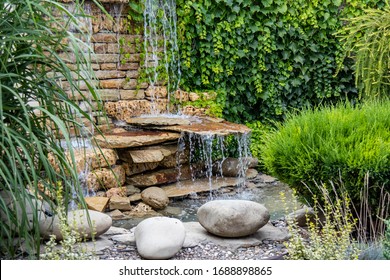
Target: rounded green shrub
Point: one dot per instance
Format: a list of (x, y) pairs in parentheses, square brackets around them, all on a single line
[(347, 145)]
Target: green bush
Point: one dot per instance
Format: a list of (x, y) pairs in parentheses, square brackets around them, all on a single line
[(346, 144)]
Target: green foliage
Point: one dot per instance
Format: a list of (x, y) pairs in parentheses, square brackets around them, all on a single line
[(70, 247), (266, 56), (34, 109), (367, 38), (340, 144), (386, 241), (329, 237), (259, 130)]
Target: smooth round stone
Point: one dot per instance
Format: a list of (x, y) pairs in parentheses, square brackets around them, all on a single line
[(232, 218), (78, 220), (155, 197), (159, 238)]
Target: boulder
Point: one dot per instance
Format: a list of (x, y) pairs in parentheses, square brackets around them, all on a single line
[(31, 206), (78, 220), (155, 197), (232, 218), (159, 238), (233, 167)]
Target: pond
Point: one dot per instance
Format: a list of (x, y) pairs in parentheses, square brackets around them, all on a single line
[(268, 194)]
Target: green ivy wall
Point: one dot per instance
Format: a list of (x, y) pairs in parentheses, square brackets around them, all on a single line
[(267, 57)]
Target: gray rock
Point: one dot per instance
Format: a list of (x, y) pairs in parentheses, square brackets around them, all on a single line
[(126, 239), (233, 167), (302, 216), (155, 197), (159, 238), (196, 234), (31, 207), (77, 219), (232, 218)]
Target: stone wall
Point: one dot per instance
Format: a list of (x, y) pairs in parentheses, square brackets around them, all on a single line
[(116, 63), (133, 161)]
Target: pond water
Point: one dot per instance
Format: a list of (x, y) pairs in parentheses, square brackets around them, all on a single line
[(185, 209)]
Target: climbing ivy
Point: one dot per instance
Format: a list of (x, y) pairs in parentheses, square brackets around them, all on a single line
[(266, 56)]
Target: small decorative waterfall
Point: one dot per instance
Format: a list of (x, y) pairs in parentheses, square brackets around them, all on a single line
[(142, 146), (162, 62)]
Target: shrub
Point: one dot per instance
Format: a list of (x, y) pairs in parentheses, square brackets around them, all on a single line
[(340, 144), (259, 130)]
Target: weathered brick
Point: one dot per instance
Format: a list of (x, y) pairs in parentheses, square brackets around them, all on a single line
[(108, 66), (128, 94), (113, 83), (109, 94), (110, 74)]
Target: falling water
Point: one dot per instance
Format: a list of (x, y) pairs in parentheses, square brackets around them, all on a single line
[(161, 48)]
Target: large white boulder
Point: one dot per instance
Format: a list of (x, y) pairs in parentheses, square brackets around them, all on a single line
[(232, 218), (77, 219), (159, 238)]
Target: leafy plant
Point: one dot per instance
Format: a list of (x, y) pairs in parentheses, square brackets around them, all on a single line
[(71, 246), (339, 144), (366, 37), (259, 130), (266, 57), (37, 55), (329, 236)]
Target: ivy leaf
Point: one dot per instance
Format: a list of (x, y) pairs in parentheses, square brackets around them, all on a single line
[(267, 3), (236, 9), (299, 59), (337, 2)]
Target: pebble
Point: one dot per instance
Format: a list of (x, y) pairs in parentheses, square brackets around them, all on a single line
[(206, 251)]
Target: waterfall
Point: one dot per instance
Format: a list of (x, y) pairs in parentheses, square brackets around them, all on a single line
[(162, 63)]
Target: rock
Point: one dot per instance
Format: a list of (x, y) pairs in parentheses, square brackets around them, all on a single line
[(159, 121), (232, 218), (120, 203), (142, 210), (234, 167), (189, 187), (145, 156), (196, 234), (160, 177), (116, 215), (116, 231), (126, 239), (31, 205), (78, 220), (130, 190), (267, 179), (251, 173), (302, 216), (136, 168), (134, 138), (207, 126), (121, 191), (155, 197), (159, 238), (106, 178), (97, 203), (89, 158)]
